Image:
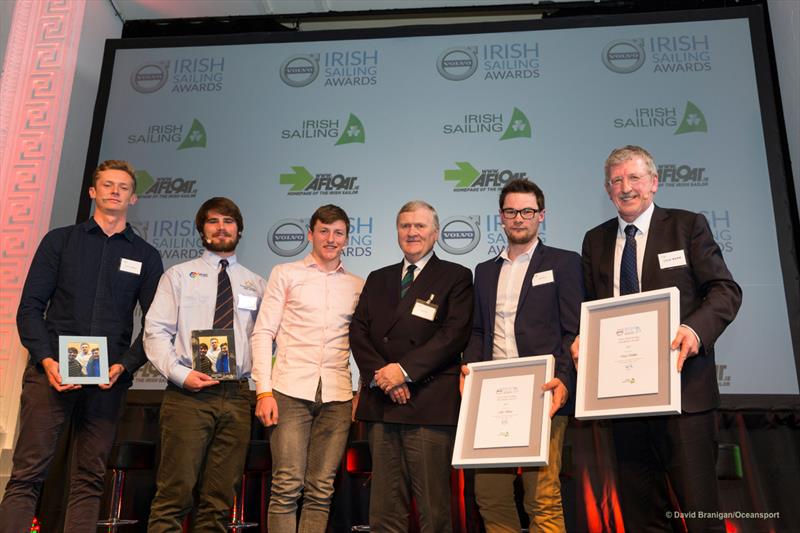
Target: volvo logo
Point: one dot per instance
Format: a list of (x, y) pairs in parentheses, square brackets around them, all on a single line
[(150, 77), (460, 234), (457, 64), (288, 237), (624, 56), (300, 70)]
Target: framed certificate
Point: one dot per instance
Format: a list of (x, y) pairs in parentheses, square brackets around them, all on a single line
[(625, 365), (504, 418), (83, 360)]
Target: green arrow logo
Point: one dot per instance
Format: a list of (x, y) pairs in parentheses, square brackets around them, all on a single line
[(298, 180), (143, 181), (518, 126), (693, 120), (353, 132), (196, 138), (464, 176)]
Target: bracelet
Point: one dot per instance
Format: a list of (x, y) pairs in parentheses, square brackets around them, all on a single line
[(267, 394)]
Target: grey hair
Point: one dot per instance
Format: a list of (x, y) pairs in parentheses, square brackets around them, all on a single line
[(628, 152), (413, 205)]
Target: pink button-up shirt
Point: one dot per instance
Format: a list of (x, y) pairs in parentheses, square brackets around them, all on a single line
[(307, 312)]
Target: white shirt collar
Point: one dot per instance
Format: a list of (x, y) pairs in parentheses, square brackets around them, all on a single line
[(419, 264), (213, 259), (642, 222), (529, 252)]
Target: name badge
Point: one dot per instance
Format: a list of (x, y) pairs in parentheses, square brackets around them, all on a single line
[(542, 278), (425, 309), (129, 265), (248, 302), (672, 259)]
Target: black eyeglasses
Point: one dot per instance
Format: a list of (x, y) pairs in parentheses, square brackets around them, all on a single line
[(527, 213)]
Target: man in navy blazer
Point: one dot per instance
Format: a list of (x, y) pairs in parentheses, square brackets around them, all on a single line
[(408, 331), (527, 302), (671, 248)]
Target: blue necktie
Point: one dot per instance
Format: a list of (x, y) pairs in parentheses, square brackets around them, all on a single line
[(628, 278)]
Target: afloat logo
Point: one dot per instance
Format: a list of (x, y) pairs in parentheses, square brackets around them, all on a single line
[(661, 53), (329, 183), (460, 235), (170, 133), (185, 75), (665, 116), (458, 63), (496, 61), (485, 123), (164, 187), (288, 237), (150, 77), (681, 175), (468, 179), (624, 56), (300, 70)]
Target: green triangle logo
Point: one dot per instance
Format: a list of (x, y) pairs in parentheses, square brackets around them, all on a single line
[(518, 126), (353, 132), (143, 181), (196, 138), (693, 120)]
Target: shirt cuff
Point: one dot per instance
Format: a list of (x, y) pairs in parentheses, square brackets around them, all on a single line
[(696, 336), (405, 374), (179, 374)]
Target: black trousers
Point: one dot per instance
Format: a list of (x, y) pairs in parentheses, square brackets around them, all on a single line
[(679, 450), (44, 415), (410, 460)]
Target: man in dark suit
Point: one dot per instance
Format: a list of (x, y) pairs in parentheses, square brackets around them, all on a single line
[(410, 325), (646, 248), (527, 302)]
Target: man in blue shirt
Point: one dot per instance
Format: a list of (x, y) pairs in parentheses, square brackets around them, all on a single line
[(88, 279)]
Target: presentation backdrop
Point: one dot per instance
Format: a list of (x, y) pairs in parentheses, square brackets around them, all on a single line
[(370, 123)]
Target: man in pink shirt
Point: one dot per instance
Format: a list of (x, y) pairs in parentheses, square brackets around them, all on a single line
[(308, 393)]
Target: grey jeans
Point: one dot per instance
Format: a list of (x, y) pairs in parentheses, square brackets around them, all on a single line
[(307, 447)]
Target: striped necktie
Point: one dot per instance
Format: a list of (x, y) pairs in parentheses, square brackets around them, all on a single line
[(407, 280), (628, 278), (223, 312)]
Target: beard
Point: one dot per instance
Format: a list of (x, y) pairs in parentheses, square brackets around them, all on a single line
[(221, 246)]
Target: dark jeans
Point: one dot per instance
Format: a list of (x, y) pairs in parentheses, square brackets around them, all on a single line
[(43, 416), (204, 439)]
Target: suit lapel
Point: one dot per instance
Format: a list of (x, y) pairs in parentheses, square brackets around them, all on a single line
[(391, 287), (533, 267), (606, 289), (491, 290)]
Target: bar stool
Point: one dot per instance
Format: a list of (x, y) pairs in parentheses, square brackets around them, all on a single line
[(124, 456), (358, 462), (258, 460)]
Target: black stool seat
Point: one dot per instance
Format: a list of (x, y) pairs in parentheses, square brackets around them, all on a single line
[(132, 455), (124, 456)]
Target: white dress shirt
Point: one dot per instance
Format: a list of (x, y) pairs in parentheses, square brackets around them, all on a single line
[(509, 286), (307, 312), (185, 300)]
